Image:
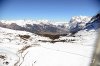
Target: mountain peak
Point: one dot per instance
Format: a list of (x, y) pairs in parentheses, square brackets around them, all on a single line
[(80, 19)]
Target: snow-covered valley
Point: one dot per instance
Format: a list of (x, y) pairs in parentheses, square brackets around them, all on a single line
[(24, 48), (15, 51)]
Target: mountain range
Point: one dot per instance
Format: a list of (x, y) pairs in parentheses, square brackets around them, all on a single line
[(76, 24)]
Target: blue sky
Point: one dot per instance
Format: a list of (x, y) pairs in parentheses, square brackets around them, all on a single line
[(47, 9)]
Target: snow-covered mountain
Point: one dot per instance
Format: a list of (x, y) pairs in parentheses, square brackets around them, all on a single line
[(35, 26), (94, 23), (84, 23), (78, 23)]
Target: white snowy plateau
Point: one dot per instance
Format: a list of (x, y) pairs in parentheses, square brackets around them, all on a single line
[(21, 46)]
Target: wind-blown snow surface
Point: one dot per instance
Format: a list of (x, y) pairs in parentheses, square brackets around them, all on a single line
[(15, 51)]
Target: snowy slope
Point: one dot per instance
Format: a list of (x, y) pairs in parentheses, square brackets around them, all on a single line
[(19, 52)]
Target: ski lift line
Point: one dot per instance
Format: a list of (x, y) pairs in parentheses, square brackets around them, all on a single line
[(67, 52)]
